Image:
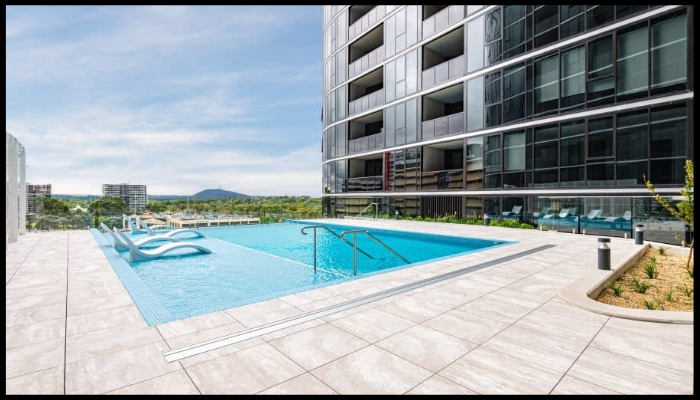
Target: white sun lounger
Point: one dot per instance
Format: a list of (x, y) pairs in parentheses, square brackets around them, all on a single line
[(172, 233), (121, 245), (140, 255), (154, 227), (132, 225)]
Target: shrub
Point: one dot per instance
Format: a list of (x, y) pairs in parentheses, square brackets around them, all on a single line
[(617, 289), (662, 251), (651, 270), (524, 225), (669, 295), (687, 291), (651, 304), (640, 287), (690, 271)]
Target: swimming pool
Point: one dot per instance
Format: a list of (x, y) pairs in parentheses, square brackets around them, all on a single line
[(259, 262)]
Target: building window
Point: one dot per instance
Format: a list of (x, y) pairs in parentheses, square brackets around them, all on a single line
[(668, 132), (601, 174), (546, 25), (547, 85), (668, 53), (632, 136), (599, 15), (492, 99), (601, 83), (572, 20), (632, 62), (493, 162), (600, 138), (514, 37), (514, 93), (573, 72)]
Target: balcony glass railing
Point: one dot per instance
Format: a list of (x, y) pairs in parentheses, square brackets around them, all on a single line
[(367, 102), (449, 16), (437, 180), (365, 184), (443, 126), (367, 143), (367, 20), (367, 61), (450, 69)]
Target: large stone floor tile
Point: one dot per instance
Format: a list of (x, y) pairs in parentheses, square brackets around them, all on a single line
[(372, 325), (173, 383), (471, 327), (302, 384), (629, 376), (426, 347), (117, 370), (247, 371), (33, 357), (48, 381), (371, 371), (490, 372), (314, 347)]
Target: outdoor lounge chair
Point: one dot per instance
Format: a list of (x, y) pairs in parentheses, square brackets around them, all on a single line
[(140, 255), (154, 227), (562, 213), (132, 225), (120, 245), (172, 233), (515, 212), (593, 214), (545, 211), (627, 216)]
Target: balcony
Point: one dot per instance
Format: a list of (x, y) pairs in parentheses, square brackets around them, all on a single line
[(367, 102), (365, 184), (367, 51), (362, 17), (367, 61), (443, 126), (444, 72), (446, 17), (367, 143), (443, 112), (443, 58), (438, 180)]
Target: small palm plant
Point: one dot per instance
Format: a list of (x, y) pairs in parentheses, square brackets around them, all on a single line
[(662, 251), (669, 295), (651, 304), (687, 291), (651, 270), (617, 289), (640, 287)]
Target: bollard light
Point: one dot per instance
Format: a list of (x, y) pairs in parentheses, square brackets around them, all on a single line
[(639, 234), (486, 220), (603, 254)]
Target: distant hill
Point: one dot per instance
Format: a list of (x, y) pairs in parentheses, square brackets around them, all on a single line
[(216, 193), (204, 194)]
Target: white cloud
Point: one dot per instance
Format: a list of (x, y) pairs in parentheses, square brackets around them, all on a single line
[(180, 131)]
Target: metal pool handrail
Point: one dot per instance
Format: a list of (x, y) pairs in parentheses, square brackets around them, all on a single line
[(315, 227), (354, 246)]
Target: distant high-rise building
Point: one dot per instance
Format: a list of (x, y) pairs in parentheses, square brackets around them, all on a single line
[(34, 191), (134, 195), (518, 111)]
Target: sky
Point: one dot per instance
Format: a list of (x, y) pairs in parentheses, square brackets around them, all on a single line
[(180, 99)]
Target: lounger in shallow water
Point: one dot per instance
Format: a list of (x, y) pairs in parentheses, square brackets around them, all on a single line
[(132, 225), (172, 233), (120, 245), (154, 227), (141, 255)]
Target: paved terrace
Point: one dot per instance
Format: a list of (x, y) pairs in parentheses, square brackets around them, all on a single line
[(71, 328)]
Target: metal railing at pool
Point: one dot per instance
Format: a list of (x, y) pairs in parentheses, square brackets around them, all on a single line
[(315, 227), (354, 245)]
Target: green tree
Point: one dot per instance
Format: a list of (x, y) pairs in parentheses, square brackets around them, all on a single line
[(684, 209), (108, 205), (53, 206)]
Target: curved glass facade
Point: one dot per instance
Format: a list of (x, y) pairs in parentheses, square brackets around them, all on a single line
[(473, 110)]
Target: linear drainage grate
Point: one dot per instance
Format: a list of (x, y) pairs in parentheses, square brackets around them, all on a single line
[(212, 344)]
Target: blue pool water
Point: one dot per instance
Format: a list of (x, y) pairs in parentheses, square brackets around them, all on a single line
[(259, 262)]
